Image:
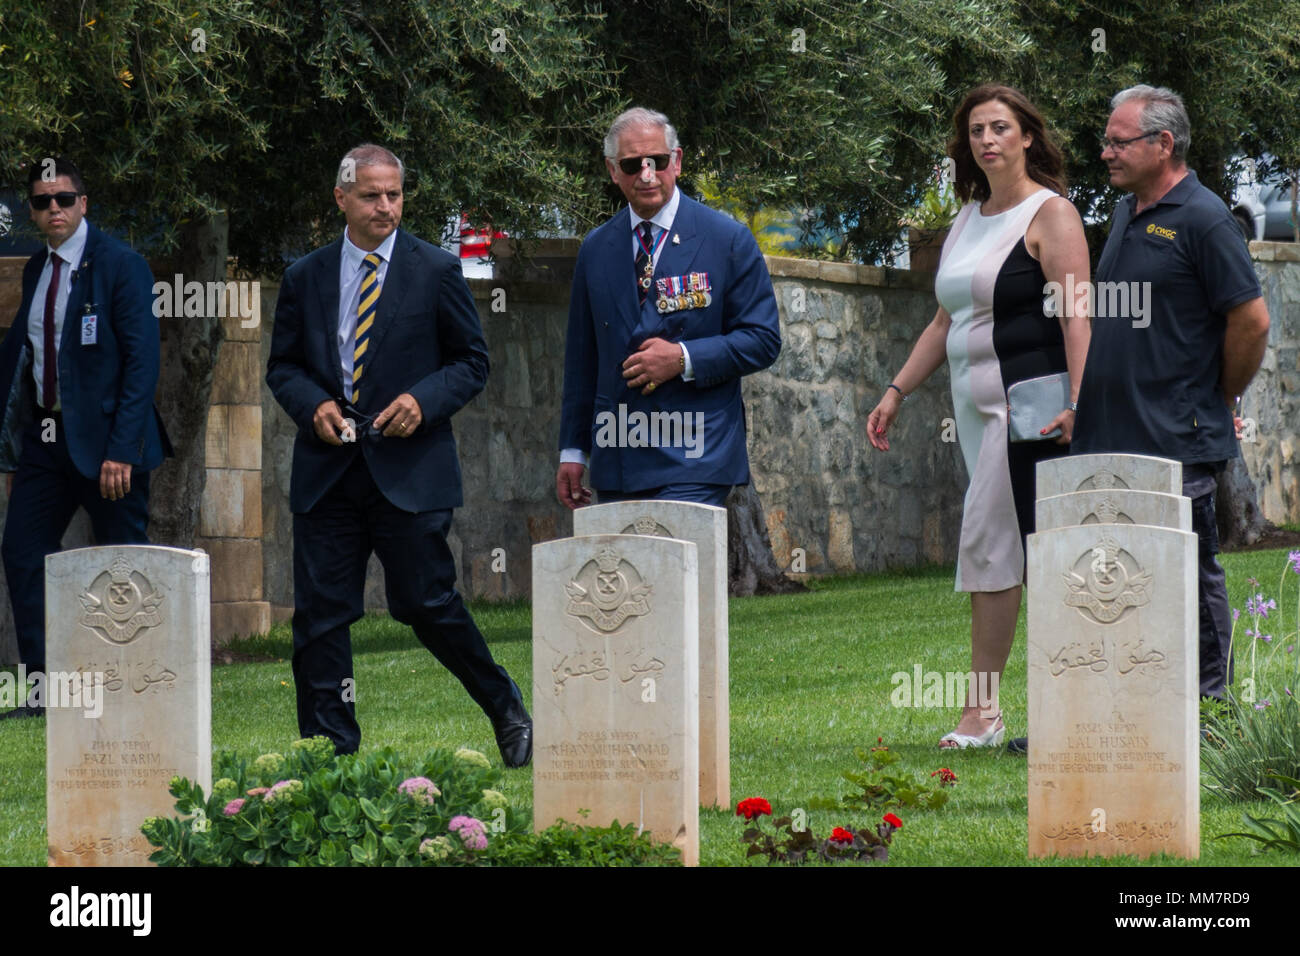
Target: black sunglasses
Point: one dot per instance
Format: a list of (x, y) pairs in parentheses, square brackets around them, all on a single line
[(42, 202), (632, 165)]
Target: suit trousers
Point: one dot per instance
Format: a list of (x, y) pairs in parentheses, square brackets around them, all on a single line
[(696, 492), (332, 544), (1216, 671), (47, 491)]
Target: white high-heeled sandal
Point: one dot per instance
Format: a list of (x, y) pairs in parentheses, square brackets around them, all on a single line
[(990, 738)]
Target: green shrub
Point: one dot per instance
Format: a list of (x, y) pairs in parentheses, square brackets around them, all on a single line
[(311, 808), (1273, 833)]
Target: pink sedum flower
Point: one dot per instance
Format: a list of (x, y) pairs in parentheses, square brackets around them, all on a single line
[(470, 831), (419, 789), (234, 806)]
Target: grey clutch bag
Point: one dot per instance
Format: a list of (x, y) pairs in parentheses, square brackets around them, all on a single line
[(1033, 403)]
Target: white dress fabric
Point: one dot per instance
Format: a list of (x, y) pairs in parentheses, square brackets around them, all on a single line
[(991, 554)]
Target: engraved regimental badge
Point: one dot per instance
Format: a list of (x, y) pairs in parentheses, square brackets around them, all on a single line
[(1106, 581), (606, 592), (120, 603), (647, 526), (1106, 511), (1103, 481)]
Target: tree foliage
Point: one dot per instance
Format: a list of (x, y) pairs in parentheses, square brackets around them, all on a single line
[(840, 108)]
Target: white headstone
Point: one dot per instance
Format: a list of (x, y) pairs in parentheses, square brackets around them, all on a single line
[(707, 527), (1060, 476), (1113, 506), (1114, 758), (128, 705), (616, 685)]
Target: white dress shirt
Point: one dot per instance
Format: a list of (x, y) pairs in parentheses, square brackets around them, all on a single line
[(70, 251), (351, 271)]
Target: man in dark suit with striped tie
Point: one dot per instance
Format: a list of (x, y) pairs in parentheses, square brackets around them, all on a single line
[(376, 345)]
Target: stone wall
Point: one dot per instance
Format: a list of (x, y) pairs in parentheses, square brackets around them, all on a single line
[(846, 330), (833, 503), (230, 518), (1272, 402), (231, 512), (831, 499)]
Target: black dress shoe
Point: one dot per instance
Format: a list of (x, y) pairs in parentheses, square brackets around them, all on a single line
[(514, 733), (26, 710), (1018, 745)]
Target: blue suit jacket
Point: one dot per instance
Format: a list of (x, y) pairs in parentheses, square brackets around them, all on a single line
[(106, 389), (737, 333), (426, 340)]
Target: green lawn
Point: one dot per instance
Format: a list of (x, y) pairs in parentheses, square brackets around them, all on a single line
[(810, 683)]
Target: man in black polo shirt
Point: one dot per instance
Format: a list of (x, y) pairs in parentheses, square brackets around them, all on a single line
[(1162, 378)]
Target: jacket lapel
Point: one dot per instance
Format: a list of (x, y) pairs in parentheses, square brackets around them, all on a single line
[(620, 273), (675, 259), (78, 295), (326, 280)]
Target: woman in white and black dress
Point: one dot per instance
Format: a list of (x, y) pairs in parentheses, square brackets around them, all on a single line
[(1016, 232)]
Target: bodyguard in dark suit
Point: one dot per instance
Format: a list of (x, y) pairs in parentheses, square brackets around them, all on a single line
[(78, 370), (376, 345), (671, 305)]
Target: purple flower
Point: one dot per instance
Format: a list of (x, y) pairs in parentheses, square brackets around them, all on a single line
[(1258, 606), (1236, 613), (420, 789), (1263, 703), (470, 831), (1294, 558), (233, 807)]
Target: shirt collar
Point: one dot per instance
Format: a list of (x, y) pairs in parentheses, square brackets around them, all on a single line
[(1178, 194), (664, 217), (354, 254), (71, 249)]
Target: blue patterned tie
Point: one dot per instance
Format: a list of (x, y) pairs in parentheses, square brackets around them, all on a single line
[(367, 304)]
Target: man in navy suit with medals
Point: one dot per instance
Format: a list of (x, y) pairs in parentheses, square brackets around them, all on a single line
[(671, 305), (78, 371), (376, 345)]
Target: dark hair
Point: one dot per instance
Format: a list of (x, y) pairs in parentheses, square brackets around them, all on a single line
[(1043, 160), (62, 167)]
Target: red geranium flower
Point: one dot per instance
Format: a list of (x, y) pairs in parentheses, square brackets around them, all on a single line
[(753, 807), (946, 776), (841, 835), (893, 821)]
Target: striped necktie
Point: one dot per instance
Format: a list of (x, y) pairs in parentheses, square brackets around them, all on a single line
[(367, 304), (644, 262)]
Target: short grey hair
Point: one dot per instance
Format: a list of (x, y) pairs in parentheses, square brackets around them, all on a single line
[(638, 116), (1162, 109), (367, 154)]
